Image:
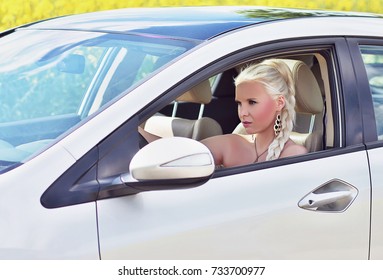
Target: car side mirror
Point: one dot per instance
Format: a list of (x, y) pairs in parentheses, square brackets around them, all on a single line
[(172, 158), (165, 164)]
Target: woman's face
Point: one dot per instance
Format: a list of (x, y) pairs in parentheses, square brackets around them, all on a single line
[(256, 108)]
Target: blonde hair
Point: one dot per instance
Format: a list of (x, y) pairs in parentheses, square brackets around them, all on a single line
[(276, 76)]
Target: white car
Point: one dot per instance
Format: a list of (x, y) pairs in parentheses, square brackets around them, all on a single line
[(77, 181)]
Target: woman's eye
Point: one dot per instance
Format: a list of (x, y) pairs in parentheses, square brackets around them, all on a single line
[(252, 102)]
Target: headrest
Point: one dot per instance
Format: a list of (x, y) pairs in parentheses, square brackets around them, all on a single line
[(200, 94), (308, 94)]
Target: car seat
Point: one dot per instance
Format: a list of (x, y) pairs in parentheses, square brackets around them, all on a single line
[(198, 129)]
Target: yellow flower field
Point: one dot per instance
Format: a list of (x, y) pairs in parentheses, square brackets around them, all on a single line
[(18, 12)]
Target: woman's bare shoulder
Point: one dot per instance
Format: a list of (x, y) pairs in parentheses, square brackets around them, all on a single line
[(293, 149), (225, 138), (229, 149)]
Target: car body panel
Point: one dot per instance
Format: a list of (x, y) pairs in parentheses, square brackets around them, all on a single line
[(198, 23), (375, 157), (191, 23), (253, 215), (30, 231)]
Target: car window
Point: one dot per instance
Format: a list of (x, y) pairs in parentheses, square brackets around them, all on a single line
[(198, 118), (373, 61), (50, 81)]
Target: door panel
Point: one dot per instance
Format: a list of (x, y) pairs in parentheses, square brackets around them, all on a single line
[(375, 156), (367, 55), (253, 215)]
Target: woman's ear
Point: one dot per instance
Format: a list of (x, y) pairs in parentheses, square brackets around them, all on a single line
[(280, 102)]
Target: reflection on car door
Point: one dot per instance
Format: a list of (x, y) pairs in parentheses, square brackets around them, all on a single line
[(249, 215)]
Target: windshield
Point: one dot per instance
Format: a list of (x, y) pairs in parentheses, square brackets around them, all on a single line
[(51, 80)]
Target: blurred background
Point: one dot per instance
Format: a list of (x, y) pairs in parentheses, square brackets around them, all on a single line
[(18, 12)]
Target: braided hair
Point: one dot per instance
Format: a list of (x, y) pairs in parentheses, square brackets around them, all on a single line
[(276, 77)]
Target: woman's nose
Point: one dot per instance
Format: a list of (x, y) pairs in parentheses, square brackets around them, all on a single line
[(242, 111)]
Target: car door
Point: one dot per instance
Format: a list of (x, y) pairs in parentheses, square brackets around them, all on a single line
[(368, 61), (315, 206)]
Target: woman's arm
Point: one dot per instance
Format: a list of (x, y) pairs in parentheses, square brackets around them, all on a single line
[(229, 150), (214, 144), (293, 149)]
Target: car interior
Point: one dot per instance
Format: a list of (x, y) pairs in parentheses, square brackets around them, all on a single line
[(209, 108)]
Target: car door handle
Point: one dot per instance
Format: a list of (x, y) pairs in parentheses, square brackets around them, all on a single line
[(317, 200), (333, 196)]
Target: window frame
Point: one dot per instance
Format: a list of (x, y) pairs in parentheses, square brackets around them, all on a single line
[(340, 59), (366, 101), (363, 87)]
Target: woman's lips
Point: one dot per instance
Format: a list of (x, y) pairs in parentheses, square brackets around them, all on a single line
[(246, 124)]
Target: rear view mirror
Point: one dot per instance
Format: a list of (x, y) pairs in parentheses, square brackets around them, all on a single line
[(172, 158)]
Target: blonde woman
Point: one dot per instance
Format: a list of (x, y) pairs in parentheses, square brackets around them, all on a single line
[(265, 96)]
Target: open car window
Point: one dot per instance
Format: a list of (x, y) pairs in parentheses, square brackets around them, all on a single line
[(208, 108)]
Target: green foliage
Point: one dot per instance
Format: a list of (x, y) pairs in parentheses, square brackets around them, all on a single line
[(18, 12)]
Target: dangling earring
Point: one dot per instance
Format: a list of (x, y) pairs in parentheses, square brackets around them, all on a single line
[(277, 125)]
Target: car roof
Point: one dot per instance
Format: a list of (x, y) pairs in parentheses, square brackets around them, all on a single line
[(189, 23)]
